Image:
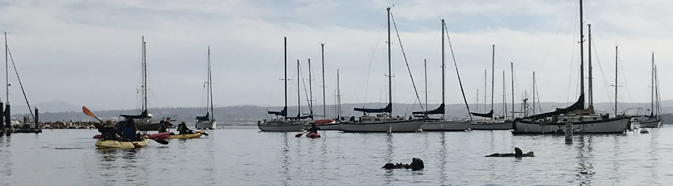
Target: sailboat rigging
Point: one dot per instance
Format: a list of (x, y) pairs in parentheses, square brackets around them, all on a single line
[(284, 124), (208, 121), (490, 123), (383, 121), (143, 120), (440, 124), (583, 120)]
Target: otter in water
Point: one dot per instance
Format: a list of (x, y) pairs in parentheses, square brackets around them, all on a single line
[(416, 164), (517, 153)]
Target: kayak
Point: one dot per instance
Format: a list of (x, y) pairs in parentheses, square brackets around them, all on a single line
[(162, 135), (114, 144), (312, 135), (187, 136)]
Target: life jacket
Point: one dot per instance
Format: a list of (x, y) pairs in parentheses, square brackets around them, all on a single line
[(129, 133)]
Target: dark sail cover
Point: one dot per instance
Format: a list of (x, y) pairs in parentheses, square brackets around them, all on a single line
[(203, 118), (388, 109), (579, 105), (279, 113), (439, 110), (142, 115), (487, 115)]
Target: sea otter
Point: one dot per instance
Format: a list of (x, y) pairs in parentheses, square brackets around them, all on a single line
[(517, 153), (416, 164)]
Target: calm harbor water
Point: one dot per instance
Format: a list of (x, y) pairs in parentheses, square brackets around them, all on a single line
[(245, 156)]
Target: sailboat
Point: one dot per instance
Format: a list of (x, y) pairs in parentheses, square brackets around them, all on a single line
[(208, 121), (143, 120), (25, 125), (285, 124), (490, 122), (440, 124), (654, 119), (582, 120), (382, 119)]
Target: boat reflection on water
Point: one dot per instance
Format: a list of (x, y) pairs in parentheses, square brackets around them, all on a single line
[(584, 160)]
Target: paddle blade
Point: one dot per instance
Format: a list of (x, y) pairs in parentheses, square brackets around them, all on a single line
[(162, 141), (299, 135), (87, 111)]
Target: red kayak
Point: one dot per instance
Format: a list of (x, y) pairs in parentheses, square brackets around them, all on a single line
[(312, 135), (163, 135)]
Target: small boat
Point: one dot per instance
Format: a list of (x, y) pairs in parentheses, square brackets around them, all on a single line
[(114, 144), (187, 136), (312, 135)]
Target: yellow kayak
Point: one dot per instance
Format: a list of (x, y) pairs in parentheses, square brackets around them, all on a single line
[(114, 144), (187, 136)]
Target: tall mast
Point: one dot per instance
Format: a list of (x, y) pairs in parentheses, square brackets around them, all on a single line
[(581, 54), (324, 104), (652, 103), (144, 61), (512, 73), (444, 69), (285, 51), (210, 87), (338, 97), (504, 96), (616, 54), (485, 84), (6, 68), (390, 72), (492, 78), (591, 87), (534, 93), (310, 88), (298, 94), (425, 66)]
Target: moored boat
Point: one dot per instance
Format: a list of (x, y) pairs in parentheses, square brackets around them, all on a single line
[(281, 125), (444, 125), (114, 144), (324, 124)]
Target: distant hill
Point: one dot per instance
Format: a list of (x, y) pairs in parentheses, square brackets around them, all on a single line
[(250, 114)]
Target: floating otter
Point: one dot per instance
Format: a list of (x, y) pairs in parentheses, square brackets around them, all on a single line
[(517, 153), (416, 164)]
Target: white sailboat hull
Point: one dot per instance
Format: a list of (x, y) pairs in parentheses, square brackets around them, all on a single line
[(491, 125), (206, 125), (281, 126), (612, 125), (441, 125), (650, 123), (391, 126)]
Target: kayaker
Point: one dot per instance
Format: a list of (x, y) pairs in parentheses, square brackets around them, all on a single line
[(313, 129), (129, 130), (109, 132), (182, 128), (163, 126)]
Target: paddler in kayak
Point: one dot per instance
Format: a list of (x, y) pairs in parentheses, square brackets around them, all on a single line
[(163, 127), (313, 129), (182, 128), (129, 130), (109, 132)]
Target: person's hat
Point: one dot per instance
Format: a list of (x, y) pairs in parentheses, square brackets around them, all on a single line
[(109, 123)]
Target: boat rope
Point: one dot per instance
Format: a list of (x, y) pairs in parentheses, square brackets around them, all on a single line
[(406, 62), (308, 100), (20, 84), (457, 73)]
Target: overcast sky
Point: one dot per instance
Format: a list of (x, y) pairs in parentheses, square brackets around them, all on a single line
[(89, 52)]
